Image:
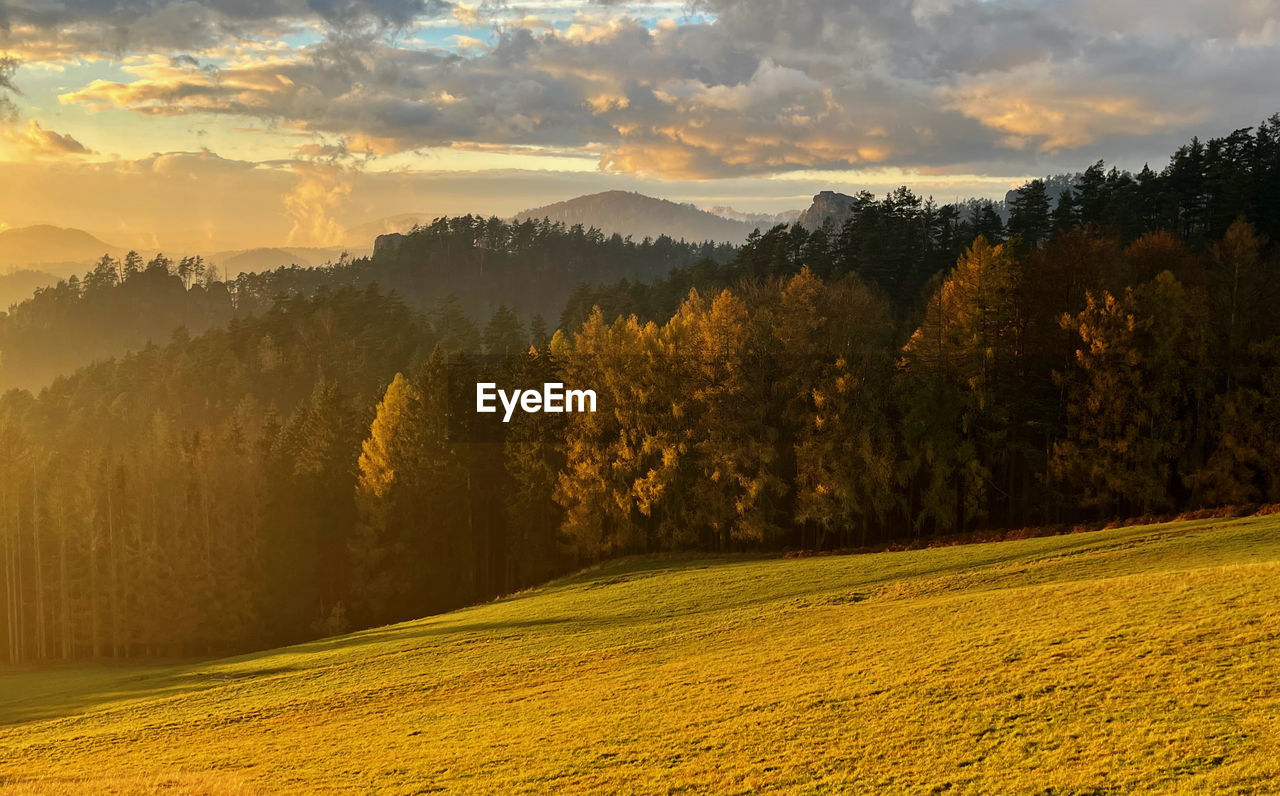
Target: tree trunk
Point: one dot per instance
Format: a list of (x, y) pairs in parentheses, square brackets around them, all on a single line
[(10, 622), (42, 652), (95, 631), (64, 597), (114, 568)]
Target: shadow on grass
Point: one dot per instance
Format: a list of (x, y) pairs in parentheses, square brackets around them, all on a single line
[(59, 690), (910, 565), (430, 627), (65, 690)]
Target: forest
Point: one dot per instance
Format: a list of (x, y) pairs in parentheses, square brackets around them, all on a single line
[(289, 462), (477, 263)]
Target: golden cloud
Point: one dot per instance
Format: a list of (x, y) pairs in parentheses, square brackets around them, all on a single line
[(34, 142), (1034, 106)]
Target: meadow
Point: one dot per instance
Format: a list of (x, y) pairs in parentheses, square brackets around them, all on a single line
[(1135, 659)]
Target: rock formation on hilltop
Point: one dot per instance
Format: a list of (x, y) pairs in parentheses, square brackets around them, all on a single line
[(828, 206)]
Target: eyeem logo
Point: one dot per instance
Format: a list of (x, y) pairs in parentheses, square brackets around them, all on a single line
[(553, 398)]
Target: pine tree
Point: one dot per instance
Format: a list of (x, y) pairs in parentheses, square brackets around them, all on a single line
[(1065, 212), (504, 336), (538, 332), (1029, 217)]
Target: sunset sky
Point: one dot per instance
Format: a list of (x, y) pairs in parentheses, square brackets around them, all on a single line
[(229, 123)]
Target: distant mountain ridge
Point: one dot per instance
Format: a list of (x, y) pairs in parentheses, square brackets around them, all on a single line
[(65, 251), (235, 262), (46, 244), (762, 220), (640, 216)]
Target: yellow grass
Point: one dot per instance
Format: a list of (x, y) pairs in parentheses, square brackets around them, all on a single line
[(1141, 658)]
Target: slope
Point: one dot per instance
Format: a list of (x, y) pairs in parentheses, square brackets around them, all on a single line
[(640, 216), (43, 244), (1143, 658)]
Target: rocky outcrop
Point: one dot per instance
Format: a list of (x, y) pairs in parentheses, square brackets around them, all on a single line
[(828, 206), (387, 244)]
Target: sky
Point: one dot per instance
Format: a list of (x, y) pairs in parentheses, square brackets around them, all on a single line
[(236, 123)]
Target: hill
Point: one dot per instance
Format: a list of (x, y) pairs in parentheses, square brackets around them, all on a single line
[(761, 220), (65, 251), (44, 244), (640, 216), (1134, 659), (236, 262)]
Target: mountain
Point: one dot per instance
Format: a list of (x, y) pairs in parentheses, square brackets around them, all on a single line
[(761, 220), (640, 216), (235, 262), (63, 251), (65, 248), (828, 206)]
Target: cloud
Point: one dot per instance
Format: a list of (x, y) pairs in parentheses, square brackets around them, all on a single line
[(95, 29), (321, 189), (188, 202), (35, 142), (468, 16), (737, 88), (182, 198)]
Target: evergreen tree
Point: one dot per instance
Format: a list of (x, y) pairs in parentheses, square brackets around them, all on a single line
[(1029, 217), (504, 336), (1065, 212)]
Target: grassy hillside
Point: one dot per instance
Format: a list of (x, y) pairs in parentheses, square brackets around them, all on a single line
[(1140, 658)]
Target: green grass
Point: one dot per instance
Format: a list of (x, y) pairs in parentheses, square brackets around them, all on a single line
[(1144, 658)]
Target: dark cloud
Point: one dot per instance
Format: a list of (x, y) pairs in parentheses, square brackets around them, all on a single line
[(767, 87), (114, 27), (50, 13)]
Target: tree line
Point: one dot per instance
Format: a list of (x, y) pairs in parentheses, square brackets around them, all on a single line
[(304, 472), (306, 469)]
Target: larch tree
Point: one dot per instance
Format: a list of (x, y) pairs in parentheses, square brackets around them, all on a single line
[(1127, 405), (833, 344), (735, 433), (954, 369)]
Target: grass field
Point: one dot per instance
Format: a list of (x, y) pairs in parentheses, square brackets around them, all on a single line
[(1144, 658)]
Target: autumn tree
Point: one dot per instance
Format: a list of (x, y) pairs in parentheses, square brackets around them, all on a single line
[(1129, 402), (832, 339), (955, 369)]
